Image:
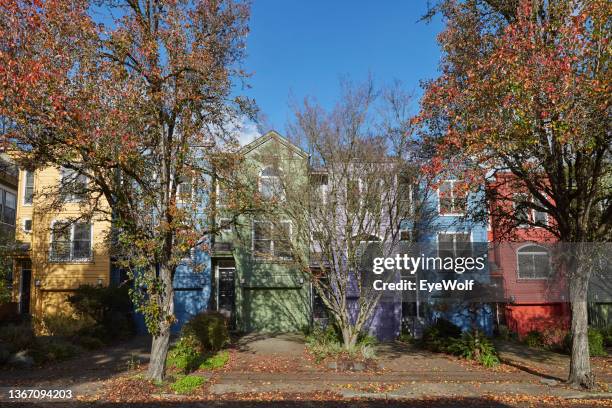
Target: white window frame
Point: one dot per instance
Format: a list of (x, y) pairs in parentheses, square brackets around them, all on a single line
[(218, 202), (410, 195), (71, 197), (531, 213), (228, 229), (281, 195), (543, 251), (272, 241), (470, 234), (71, 259), (23, 228), (452, 192), (25, 186)]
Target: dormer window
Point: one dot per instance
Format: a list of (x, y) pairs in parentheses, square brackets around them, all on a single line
[(270, 185)]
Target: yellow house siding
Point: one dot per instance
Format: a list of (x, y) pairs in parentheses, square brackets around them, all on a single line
[(57, 279)]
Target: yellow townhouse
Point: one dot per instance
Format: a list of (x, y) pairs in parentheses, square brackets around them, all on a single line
[(56, 251)]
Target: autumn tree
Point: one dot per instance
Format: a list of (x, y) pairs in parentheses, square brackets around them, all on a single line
[(524, 91), (358, 201), (133, 98)]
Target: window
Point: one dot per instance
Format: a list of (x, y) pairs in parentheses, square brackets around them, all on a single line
[(533, 262), (272, 240), (404, 197), (225, 225), (8, 205), (27, 225), (405, 235), (319, 185), (453, 197), (28, 189), (73, 185), (454, 245), (523, 212), (70, 242), (270, 184), (221, 199), (353, 193), (184, 190)]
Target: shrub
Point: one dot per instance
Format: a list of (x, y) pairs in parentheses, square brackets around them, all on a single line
[(210, 328), (596, 343), (366, 339), (17, 337), (553, 337), (63, 324), (474, 346), (90, 343), (503, 332), (51, 349), (187, 384), (439, 335), (534, 339), (215, 361), (186, 354), (110, 308)]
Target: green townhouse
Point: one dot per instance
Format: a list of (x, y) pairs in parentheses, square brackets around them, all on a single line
[(255, 277)]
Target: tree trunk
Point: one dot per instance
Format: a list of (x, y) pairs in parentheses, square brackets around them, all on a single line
[(580, 366), (161, 341), (349, 336), (159, 353)]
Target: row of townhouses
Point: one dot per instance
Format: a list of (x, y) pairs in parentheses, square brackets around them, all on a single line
[(270, 293)]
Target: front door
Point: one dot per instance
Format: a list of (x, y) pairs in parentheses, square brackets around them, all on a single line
[(226, 270), (24, 290)]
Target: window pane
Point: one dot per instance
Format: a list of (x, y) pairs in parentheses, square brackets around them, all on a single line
[(525, 266), (10, 204), (29, 188), (540, 217), (459, 198), (262, 237), (81, 246), (60, 245), (541, 266), (446, 199), (282, 246)]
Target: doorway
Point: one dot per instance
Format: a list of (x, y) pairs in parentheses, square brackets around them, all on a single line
[(226, 293), (25, 287)]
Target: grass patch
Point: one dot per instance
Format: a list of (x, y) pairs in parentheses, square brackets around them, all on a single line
[(187, 384), (216, 361)]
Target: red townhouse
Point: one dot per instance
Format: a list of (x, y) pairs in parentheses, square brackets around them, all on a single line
[(535, 292)]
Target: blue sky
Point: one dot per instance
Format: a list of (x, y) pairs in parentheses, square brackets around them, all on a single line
[(298, 48)]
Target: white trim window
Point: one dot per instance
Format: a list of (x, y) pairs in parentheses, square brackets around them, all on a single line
[(270, 185), (524, 214), (73, 185), (221, 195), (8, 207), (533, 262), (184, 191), (454, 244), (28, 187), (70, 242), (404, 196), (27, 225), (272, 241), (319, 183), (225, 225), (405, 234), (452, 198)]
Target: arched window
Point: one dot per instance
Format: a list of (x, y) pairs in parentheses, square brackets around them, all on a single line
[(533, 262), (270, 183)]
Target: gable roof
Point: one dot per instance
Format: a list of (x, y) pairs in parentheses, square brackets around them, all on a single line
[(272, 134)]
